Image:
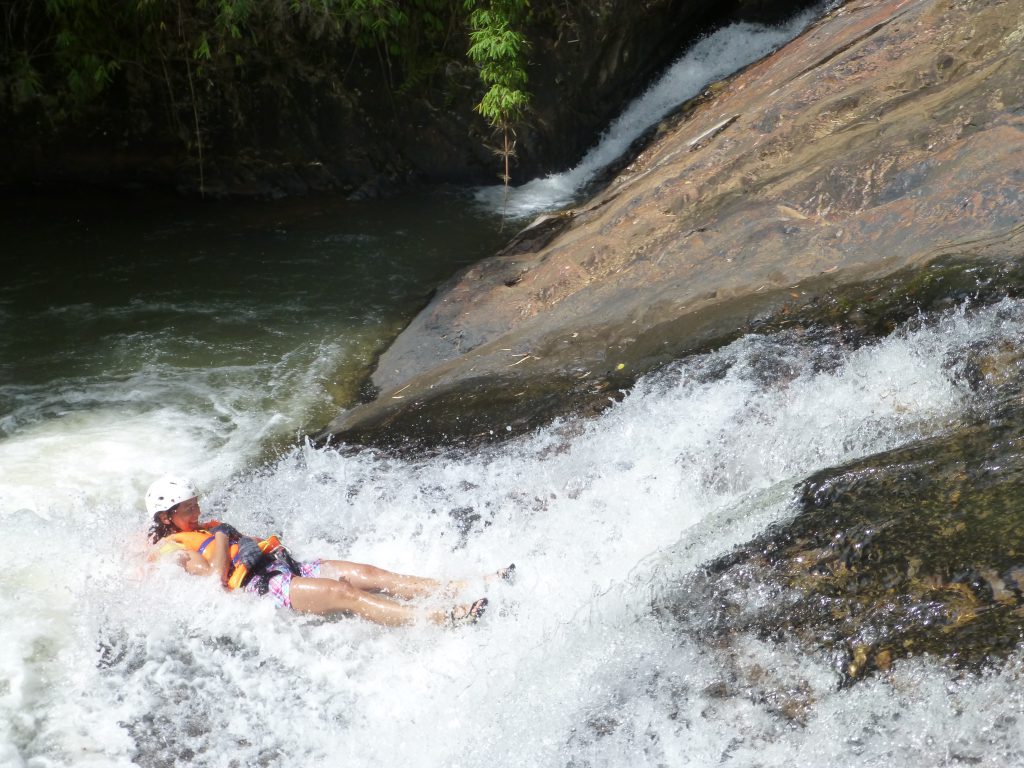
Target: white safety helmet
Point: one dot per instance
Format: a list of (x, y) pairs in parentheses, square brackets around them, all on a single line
[(167, 492)]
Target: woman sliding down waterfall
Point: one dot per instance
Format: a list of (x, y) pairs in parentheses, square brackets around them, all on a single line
[(324, 587)]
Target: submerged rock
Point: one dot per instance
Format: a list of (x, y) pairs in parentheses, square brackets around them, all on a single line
[(886, 136)]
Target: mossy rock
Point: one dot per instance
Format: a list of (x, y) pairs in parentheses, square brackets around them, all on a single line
[(913, 551)]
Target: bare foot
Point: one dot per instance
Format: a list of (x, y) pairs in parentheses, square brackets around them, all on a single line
[(506, 574), (467, 614)]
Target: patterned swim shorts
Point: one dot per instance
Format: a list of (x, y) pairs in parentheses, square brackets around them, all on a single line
[(279, 580)]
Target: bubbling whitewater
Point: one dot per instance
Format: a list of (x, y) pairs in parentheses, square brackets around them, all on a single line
[(219, 414), (104, 665), (715, 56)]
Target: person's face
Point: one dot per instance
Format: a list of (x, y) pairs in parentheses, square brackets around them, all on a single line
[(185, 516)]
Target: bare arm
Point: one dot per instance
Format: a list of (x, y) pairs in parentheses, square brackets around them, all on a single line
[(221, 557), (193, 562)]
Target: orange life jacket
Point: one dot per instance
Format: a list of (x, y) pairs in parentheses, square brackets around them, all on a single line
[(203, 542)]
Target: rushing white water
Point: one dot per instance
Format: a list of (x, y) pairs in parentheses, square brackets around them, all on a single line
[(713, 57), (208, 421), (103, 664)]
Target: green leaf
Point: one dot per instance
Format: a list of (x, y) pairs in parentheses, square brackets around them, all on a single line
[(202, 50)]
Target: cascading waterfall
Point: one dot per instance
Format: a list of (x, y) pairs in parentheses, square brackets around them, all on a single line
[(572, 666), (715, 56), (104, 662)]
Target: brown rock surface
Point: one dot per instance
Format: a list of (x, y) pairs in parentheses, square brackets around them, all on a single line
[(888, 134)]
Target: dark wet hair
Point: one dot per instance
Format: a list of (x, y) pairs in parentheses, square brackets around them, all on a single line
[(160, 529)]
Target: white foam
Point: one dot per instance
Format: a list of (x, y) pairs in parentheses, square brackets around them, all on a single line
[(93, 439), (570, 666)]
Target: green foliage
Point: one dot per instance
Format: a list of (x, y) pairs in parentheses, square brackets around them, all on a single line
[(499, 49), (76, 47), (63, 58), (26, 82)]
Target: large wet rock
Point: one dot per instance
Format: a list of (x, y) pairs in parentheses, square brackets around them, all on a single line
[(889, 134), (911, 552)]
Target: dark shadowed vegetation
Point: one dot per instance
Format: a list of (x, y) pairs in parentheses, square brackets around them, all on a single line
[(196, 72)]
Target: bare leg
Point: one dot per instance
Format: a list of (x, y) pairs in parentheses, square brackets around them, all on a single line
[(326, 596), (370, 578)]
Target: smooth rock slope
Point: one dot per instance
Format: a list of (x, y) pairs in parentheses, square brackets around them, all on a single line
[(887, 135)]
